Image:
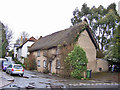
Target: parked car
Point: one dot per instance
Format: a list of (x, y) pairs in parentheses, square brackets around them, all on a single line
[(5, 64), (15, 69), (9, 59), (1, 62)]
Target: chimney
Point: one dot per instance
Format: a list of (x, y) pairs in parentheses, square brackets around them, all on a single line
[(40, 37), (21, 41), (25, 39)]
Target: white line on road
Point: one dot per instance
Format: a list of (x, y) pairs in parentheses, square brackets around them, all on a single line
[(88, 84)]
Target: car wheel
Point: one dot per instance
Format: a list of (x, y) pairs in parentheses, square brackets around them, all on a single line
[(6, 72), (10, 73)]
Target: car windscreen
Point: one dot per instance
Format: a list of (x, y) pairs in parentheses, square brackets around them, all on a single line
[(17, 66)]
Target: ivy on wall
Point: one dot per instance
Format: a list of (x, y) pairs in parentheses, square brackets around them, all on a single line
[(77, 36)]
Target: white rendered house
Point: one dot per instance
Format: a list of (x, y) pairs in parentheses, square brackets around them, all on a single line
[(22, 50), (15, 50)]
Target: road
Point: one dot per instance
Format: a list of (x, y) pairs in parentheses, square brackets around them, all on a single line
[(33, 79)]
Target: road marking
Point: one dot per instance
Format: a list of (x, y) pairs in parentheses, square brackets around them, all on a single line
[(88, 84)]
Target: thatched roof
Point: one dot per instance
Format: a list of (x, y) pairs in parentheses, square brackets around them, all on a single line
[(63, 37)]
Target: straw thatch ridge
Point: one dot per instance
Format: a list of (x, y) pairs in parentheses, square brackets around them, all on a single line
[(63, 37)]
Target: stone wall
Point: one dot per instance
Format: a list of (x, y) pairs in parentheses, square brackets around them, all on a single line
[(41, 58), (51, 68), (86, 43), (102, 65)]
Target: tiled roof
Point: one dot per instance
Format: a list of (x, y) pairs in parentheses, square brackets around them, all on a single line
[(30, 39)]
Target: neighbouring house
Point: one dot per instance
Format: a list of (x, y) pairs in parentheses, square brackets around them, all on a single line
[(22, 50), (51, 50), (119, 8), (1, 28), (15, 50)]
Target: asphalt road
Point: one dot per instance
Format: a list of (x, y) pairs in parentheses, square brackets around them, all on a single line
[(39, 80)]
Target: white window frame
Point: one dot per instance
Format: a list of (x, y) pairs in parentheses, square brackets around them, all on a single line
[(44, 63), (38, 63)]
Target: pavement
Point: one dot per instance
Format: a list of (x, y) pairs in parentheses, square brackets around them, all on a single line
[(5, 79), (97, 79), (106, 76)]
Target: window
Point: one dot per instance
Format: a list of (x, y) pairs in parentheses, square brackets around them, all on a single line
[(17, 66), (10, 66), (38, 64), (57, 51), (38, 53), (58, 64), (44, 63)]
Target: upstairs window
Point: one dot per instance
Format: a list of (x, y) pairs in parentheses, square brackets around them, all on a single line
[(58, 64), (38, 53)]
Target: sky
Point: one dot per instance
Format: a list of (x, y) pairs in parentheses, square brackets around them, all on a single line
[(42, 17)]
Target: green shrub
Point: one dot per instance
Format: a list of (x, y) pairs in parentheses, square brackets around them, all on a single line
[(78, 61), (46, 71)]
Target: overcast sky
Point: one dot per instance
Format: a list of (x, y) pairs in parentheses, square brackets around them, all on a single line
[(42, 17)]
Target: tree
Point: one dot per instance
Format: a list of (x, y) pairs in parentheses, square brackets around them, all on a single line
[(3, 40), (24, 35), (106, 27), (102, 21), (6, 37), (113, 7), (78, 61), (9, 36), (113, 52), (77, 16)]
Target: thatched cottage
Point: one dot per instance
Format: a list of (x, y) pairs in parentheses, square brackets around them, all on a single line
[(50, 51)]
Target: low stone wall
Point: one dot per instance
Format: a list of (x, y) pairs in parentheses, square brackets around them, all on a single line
[(102, 65)]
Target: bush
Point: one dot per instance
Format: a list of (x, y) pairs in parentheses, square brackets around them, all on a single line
[(78, 61), (76, 73), (46, 71), (30, 62)]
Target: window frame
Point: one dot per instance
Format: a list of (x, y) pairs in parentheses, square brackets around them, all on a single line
[(44, 63), (38, 63), (57, 64)]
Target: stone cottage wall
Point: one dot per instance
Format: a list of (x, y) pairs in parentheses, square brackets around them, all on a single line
[(42, 58), (86, 43)]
